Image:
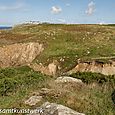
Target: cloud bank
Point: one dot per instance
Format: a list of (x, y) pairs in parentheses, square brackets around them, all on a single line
[(91, 8)]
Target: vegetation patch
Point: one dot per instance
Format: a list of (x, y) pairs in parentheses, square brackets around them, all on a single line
[(89, 77), (12, 79)]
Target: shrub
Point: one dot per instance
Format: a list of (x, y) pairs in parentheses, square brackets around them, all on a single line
[(89, 77), (7, 85), (12, 79)]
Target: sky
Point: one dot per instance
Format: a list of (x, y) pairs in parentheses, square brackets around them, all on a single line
[(14, 12)]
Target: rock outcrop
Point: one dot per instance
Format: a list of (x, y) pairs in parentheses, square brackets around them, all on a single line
[(19, 54), (51, 69), (33, 100), (41, 68), (54, 109), (95, 67)]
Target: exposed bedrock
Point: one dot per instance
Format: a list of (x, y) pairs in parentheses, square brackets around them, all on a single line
[(19, 54), (95, 67)]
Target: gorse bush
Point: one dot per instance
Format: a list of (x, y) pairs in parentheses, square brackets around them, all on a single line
[(89, 77), (12, 79), (7, 85)]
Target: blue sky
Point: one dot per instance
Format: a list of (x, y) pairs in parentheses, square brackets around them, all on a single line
[(58, 11)]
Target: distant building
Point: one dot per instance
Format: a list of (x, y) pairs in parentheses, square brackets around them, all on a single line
[(33, 22)]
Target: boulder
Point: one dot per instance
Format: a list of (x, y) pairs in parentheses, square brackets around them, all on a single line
[(54, 109), (52, 68), (66, 79)]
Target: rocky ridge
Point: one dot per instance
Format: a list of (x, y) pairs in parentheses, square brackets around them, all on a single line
[(95, 67)]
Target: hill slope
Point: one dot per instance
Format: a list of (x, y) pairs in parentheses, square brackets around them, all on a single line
[(50, 48), (65, 43)]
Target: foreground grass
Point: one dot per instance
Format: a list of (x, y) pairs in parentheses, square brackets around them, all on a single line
[(16, 83), (93, 97)]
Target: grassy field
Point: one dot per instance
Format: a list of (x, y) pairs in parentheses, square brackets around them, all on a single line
[(68, 42)]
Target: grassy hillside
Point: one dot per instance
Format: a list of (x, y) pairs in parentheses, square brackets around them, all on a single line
[(69, 42), (65, 43)]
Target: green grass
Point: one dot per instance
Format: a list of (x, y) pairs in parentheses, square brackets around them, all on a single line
[(70, 41), (16, 82), (91, 98)]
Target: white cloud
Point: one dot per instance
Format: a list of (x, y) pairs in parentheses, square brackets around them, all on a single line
[(14, 7), (91, 8), (56, 10), (6, 8)]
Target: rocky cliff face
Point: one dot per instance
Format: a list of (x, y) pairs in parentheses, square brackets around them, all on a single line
[(95, 67), (19, 54)]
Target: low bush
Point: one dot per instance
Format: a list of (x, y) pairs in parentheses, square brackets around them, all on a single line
[(89, 77), (12, 79)]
